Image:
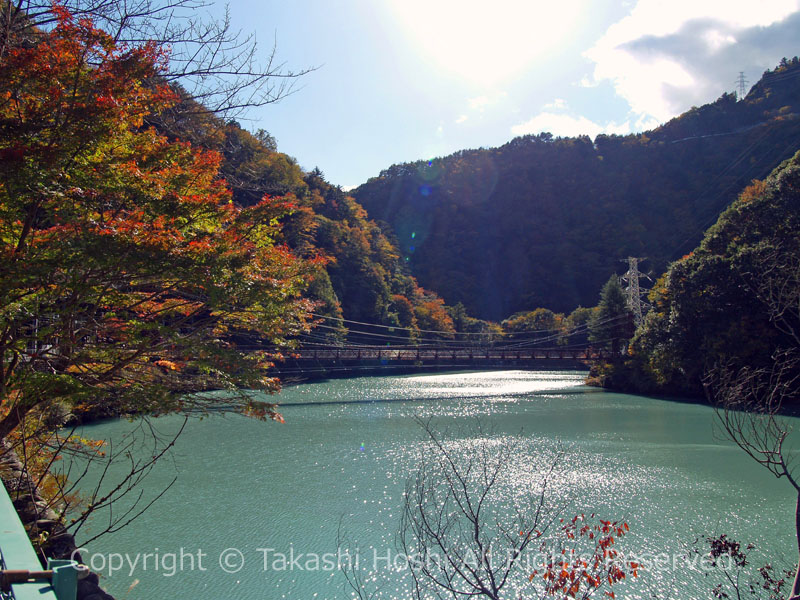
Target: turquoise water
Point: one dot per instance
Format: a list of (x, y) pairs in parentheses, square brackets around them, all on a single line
[(249, 491)]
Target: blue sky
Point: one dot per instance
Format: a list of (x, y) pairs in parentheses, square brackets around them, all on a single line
[(402, 80)]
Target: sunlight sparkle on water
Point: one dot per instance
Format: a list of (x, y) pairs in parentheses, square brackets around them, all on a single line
[(500, 383), (654, 464)]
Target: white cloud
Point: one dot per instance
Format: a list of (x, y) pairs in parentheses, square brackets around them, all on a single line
[(557, 104), (480, 103), (564, 125), (666, 56), (461, 118), (643, 123), (625, 128), (716, 40)]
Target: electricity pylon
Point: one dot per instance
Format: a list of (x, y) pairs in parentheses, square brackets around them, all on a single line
[(634, 291), (741, 83)]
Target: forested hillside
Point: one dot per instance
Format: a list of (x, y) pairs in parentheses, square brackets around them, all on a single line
[(543, 221), (364, 278), (732, 302)]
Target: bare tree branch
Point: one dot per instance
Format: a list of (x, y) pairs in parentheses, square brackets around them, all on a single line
[(466, 534), (221, 68), (751, 402)]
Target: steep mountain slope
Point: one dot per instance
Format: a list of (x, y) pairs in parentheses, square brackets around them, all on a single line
[(364, 279), (732, 302), (543, 221)]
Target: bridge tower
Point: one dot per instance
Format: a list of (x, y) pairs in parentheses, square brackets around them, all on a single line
[(633, 290)]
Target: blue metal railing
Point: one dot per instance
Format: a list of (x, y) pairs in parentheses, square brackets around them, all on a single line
[(17, 554)]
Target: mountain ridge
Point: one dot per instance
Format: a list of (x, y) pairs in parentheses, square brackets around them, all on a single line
[(543, 221)]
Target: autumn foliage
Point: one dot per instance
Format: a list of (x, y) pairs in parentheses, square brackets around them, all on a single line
[(128, 278), (587, 560)]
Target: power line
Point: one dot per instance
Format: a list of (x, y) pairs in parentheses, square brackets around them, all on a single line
[(577, 331), (721, 194), (714, 214)]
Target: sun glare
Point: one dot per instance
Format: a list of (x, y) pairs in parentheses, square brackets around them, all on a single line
[(486, 42)]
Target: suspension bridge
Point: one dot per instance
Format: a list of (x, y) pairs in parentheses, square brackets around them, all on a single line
[(374, 348), (343, 360), (434, 353)]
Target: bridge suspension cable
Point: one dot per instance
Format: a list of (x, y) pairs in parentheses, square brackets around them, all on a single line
[(558, 331), (398, 328), (560, 334)]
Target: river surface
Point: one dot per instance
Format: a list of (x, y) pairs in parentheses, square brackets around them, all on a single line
[(331, 479)]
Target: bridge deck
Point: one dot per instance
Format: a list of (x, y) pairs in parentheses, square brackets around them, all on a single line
[(426, 353)]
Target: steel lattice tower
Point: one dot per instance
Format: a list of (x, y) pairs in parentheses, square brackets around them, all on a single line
[(633, 290), (741, 82)]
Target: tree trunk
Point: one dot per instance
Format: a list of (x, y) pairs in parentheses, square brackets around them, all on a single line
[(10, 421), (795, 595)]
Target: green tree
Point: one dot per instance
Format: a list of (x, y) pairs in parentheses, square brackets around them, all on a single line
[(705, 313), (611, 325), (459, 315), (576, 326), (542, 322)]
